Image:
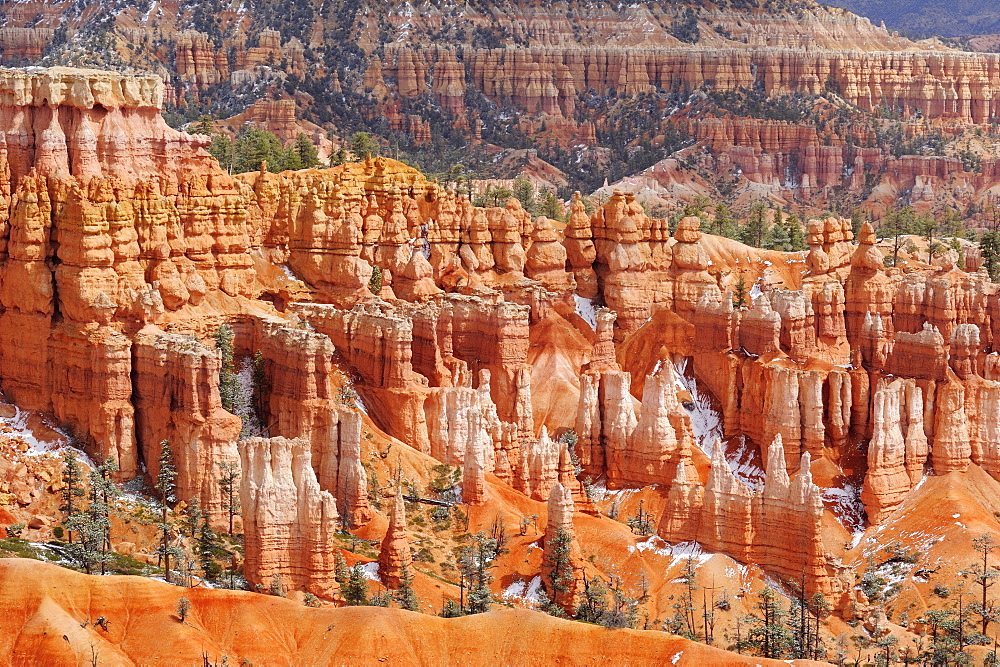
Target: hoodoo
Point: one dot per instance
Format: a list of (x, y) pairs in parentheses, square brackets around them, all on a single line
[(686, 325)]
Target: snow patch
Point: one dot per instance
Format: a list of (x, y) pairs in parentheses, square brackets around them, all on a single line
[(847, 506), (289, 273), (524, 591), (18, 428), (243, 400), (655, 544), (370, 570), (745, 464), (587, 309), (685, 550), (706, 421)]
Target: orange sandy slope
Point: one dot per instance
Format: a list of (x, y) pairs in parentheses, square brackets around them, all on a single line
[(44, 611)]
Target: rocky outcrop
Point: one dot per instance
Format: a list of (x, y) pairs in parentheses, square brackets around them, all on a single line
[(337, 462), (888, 479), (176, 398), (562, 567), (394, 558), (288, 521)]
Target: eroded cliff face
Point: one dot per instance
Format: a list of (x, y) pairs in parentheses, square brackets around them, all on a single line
[(537, 362), (761, 93)]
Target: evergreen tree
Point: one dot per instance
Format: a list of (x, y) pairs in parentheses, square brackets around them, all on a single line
[(984, 576), (277, 586), (777, 238), (192, 518), (340, 570), (754, 231), (72, 490), (406, 596), (475, 563), (209, 546), (493, 196), (525, 193), (560, 568), (229, 486), (204, 125), (375, 282), (594, 603), (183, 608), (363, 146), (858, 218), (989, 247), (741, 298), (685, 608), (228, 383), (624, 609), (549, 205), (768, 635), (796, 235), (93, 524), (223, 149), (261, 387), (897, 224), (724, 224), (166, 487), (254, 147), (103, 488), (338, 157), (355, 589)]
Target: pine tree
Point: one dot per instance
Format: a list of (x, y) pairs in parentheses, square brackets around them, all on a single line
[(777, 238), (984, 576), (223, 149), (475, 561), (363, 146), (796, 235), (340, 570), (897, 224), (685, 607), (230, 490), (183, 607), (93, 524), (768, 634), (338, 157), (355, 589), (306, 151), (741, 298), (228, 383), (858, 218), (72, 490), (594, 603), (753, 232), (166, 487), (104, 489), (560, 571), (277, 586), (549, 205), (261, 387), (524, 192), (254, 147), (192, 518), (209, 546), (724, 224), (989, 247), (406, 596)]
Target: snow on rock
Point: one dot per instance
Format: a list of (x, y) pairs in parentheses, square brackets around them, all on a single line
[(706, 421), (370, 570), (846, 505), (587, 309), (523, 591)]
